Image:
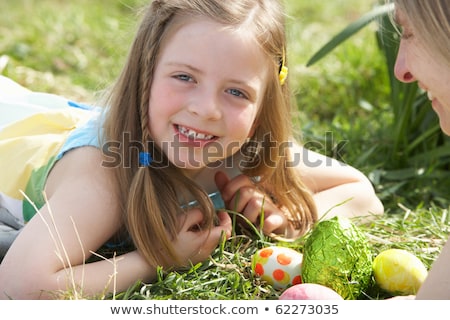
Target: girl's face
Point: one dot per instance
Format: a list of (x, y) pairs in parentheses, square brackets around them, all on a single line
[(416, 62), (207, 88)]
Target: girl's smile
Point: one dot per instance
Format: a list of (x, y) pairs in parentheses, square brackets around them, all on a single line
[(193, 137)]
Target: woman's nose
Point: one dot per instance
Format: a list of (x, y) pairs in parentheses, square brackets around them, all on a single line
[(401, 70)]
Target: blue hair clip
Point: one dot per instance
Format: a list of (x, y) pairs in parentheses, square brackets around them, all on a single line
[(145, 159)]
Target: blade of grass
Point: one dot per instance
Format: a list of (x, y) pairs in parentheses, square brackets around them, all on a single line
[(350, 30)]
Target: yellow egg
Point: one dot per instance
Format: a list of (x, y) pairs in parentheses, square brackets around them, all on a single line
[(399, 272)]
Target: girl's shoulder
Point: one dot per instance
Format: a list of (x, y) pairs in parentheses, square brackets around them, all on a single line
[(81, 172)]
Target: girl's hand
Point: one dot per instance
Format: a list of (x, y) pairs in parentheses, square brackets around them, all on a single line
[(241, 195), (195, 245)]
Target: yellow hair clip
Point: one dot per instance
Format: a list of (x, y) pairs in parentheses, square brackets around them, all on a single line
[(283, 74), (283, 70)]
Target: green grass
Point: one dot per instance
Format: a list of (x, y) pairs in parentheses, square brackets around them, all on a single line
[(76, 48), (66, 47), (228, 274)]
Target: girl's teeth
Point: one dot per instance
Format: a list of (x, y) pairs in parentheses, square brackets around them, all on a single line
[(430, 96), (193, 134), (201, 136)]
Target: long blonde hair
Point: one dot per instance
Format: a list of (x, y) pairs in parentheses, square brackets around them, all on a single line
[(430, 20), (150, 196)]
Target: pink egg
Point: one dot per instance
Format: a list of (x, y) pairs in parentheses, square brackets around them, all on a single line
[(309, 291)]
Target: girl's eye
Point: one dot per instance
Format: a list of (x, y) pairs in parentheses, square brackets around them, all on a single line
[(184, 77), (237, 93)]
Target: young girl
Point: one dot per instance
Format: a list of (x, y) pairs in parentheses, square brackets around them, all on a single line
[(424, 56), (199, 120)]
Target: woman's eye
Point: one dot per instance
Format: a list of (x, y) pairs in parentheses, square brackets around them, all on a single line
[(406, 34), (237, 93)]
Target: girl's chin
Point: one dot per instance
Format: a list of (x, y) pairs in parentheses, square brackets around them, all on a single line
[(191, 172), (190, 165)]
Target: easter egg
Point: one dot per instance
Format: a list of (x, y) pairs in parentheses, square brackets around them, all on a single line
[(337, 255), (399, 272), (309, 291), (278, 266)]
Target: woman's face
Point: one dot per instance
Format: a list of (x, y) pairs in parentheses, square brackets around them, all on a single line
[(207, 89), (416, 62)]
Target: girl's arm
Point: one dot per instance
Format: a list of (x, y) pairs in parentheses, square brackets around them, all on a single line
[(338, 188), (80, 216)]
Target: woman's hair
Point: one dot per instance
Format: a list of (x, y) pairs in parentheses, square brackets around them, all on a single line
[(430, 20), (149, 196)]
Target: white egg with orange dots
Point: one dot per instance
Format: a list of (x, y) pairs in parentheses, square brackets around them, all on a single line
[(278, 266), (399, 272)]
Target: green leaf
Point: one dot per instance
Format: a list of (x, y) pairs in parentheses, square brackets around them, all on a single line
[(350, 30)]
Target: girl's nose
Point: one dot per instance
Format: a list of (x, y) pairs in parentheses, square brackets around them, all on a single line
[(401, 70), (207, 106)]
